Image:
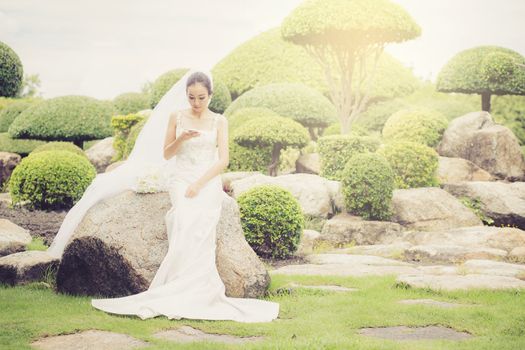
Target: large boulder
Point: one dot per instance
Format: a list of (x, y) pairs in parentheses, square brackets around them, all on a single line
[(13, 238), (491, 146), (430, 208), (500, 201), (25, 267), (316, 195), (452, 170), (8, 162), (101, 153), (121, 241), (231, 176)]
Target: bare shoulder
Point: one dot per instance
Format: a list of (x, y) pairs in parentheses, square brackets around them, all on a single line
[(221, 119)]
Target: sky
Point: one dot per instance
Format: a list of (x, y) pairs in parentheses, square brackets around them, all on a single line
[(103, 48)]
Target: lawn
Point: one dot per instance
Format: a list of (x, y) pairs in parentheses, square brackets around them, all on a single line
[(309, 319)]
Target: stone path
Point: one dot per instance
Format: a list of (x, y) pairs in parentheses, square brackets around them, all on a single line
[(430, 302), (414, 333), (188, 334), (91, 339)]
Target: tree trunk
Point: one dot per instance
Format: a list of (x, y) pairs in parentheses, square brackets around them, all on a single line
[(485, 101), (274, 166)]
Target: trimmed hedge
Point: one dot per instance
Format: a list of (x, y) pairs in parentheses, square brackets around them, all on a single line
[(368, 185), (336, 150), (132, 136), (243, 115), (414, 164), (272, 220), (131, 102), (11, 71), (122, 125), (21, 146), (60, 146), (221, 97), (163, 83), (416, 124), (13, 110), (51, 179)]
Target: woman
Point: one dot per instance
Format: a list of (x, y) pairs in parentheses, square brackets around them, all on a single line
[(194, 153)]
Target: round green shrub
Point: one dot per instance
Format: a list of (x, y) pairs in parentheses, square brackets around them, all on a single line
[(20, 146), (292, 100), (416, 124), (272, 220), (336, 150), (368, 185), (221, 97), (60, 146), (132, 136), (11, 71), (414, 164), (51, 179), (163, 83), (249, 158), (131, 102), (13, 110), (65, 118)]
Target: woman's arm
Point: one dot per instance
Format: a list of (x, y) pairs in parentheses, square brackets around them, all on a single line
[(171, 142), (224, 156)]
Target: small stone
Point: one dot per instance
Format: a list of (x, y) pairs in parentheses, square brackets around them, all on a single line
[(323, 287), (460, 282), (415, 333), (187, 334), (91, 339)]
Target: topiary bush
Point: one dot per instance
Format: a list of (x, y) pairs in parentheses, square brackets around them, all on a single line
[(21, 146), (414, 164), (122, 125), (51, 179), (163, 83), (336, 150), (221, 97), (368, 185), (276, 132), (272, 220), (292, 100), (416, 124), (13, 110), (11, 71), (132, 136), (60, 146), (243, 115), (131, 102), (65, 118)]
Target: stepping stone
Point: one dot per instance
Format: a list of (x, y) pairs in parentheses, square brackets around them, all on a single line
[(343, 270), (187, 334), (430, 302), (13, 238), (414, 333), (354, 259), (91, 339), (24, 267), (448, 253), (333, 288), (455, 282), (393, 250), (488, 267)]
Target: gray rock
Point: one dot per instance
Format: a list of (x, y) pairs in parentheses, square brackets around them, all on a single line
[(495, 268), (25, 267), (185, 334), (500, 201), (13, 238), (518, 254), (452, 170), (8, 162), (460, 282), (451, 253), (492, 147), (307, 242), (415, 333), (308, 163), (101, 153), (393, 250), (430, 208), (120, 243), (229, 177), (90, 339)]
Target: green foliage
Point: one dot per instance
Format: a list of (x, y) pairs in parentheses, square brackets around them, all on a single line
[(11, 71), (13, 110), (20, 146), (51, 179), (416, 124), (221, 97), (131, 102), (336, 150), (414, 164), (163, 83), (493, 69), (348, 23), (122, 125), (132, 136), (335, 129), (60, 146), (65, 118), (243, 115), (249, 158), (272, 220), (271, 131), (292, 100), (368, 185), (510, 111)]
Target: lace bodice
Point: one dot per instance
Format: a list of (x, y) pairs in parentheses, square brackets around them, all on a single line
[(197, 151)]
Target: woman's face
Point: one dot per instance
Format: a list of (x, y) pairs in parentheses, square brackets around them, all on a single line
[(198, 97)]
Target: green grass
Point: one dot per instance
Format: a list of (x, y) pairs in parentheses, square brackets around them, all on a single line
[(309, 319), (37, 243)]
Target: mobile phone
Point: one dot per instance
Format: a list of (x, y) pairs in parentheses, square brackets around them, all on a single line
[(194, 130)]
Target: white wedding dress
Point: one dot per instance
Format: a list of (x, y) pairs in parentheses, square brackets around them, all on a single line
[(187, 283)]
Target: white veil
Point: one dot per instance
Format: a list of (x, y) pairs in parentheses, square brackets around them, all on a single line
[(147, 153)]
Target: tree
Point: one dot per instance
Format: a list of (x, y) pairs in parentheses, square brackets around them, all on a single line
[(344, 34), (484, 70), (30, 86)]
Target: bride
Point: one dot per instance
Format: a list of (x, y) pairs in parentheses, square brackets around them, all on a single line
[(191, 157)]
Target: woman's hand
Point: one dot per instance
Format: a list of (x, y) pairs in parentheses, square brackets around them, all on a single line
[(188, 134), (192, 190)]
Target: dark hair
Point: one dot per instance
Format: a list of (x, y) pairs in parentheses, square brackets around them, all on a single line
[(199, 77)]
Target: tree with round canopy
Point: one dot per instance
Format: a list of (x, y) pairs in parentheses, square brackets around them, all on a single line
[(275, 131), (11, 71), (484, 70), (344, 34)]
